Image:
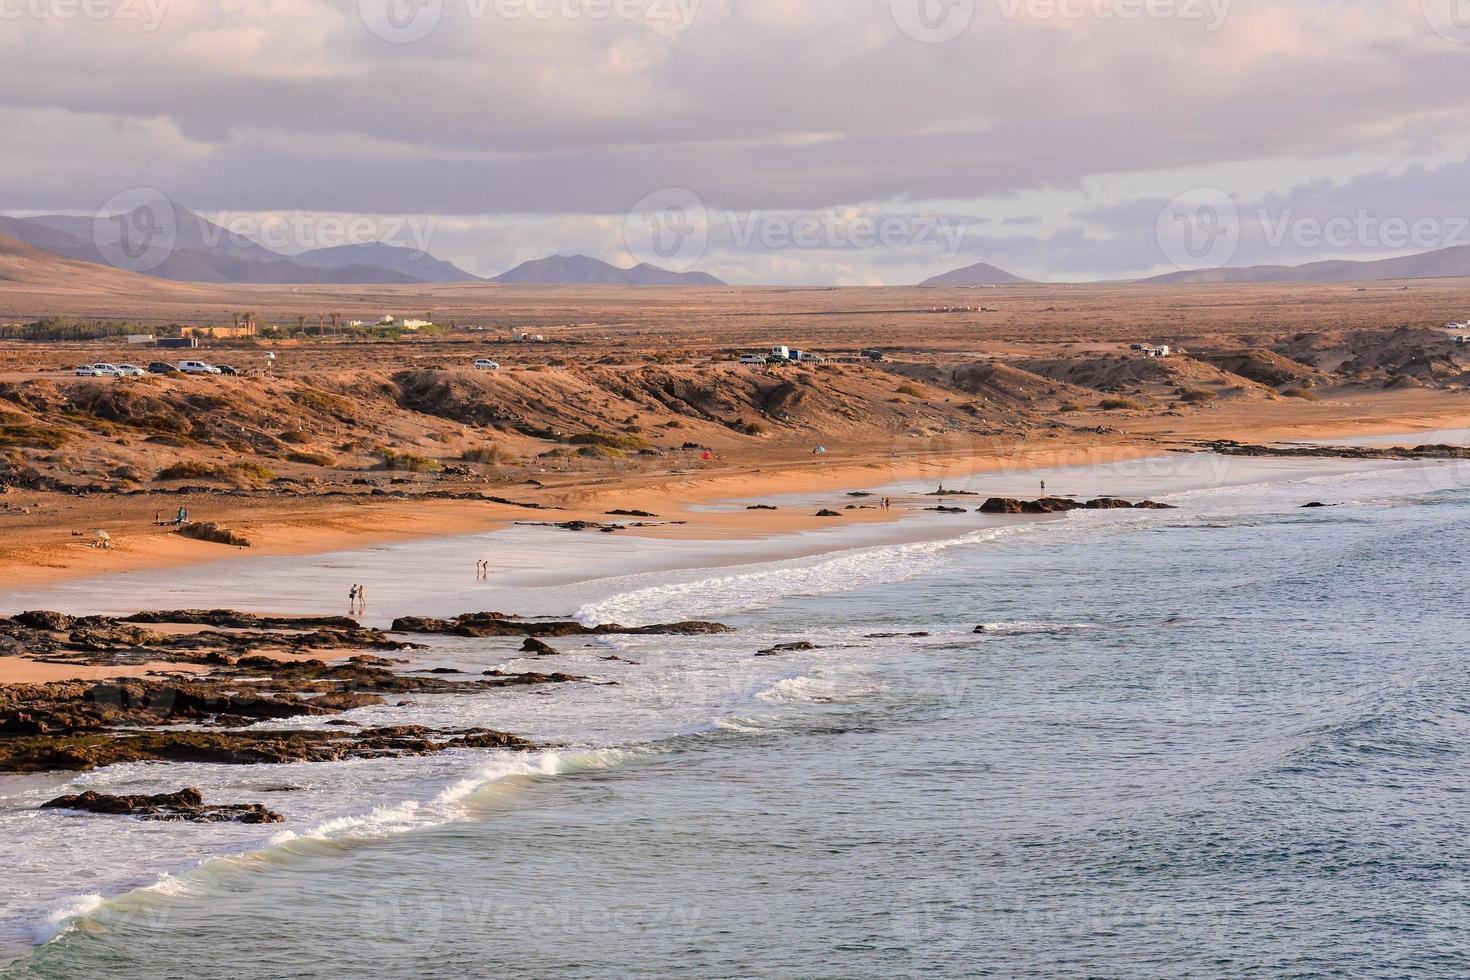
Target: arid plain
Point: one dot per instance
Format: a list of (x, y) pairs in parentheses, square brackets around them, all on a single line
[(636, 402)]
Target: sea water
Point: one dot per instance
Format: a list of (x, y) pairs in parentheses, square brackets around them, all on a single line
[(1229, 739)]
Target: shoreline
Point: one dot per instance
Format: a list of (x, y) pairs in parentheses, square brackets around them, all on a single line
[(687, 503), (536, 568)]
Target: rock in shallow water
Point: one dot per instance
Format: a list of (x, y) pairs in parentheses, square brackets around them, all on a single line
[(185, 805)]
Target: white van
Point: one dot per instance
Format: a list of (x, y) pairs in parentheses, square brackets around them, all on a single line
[(198, 367), (753, 359)]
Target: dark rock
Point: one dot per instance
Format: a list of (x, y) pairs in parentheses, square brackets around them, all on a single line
[(185, 805), (230, 619), (494, 624), (41, 620), (1231, 448), (781, 648), (948, 510), (347, 701), (1058, 505), (762, 507), (215, 533), (828, 513), (540, 649), (85, 752), (630, 513)]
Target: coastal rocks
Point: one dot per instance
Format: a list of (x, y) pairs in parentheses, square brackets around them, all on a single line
[(762, 507), (580, 526), (631, 513), (216, 534), (539, 648), (230, 619), (781, 648), (1226, 447), (83, 753), (497, 624), (575, 526), (1058, 505), (255, 690), (947, 510), (828, 513), (187, 805), (107, 642), (54, 622)]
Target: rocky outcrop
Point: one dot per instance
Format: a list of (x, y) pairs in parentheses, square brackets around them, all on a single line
[(538, 648), (104, 641), (82, 753), (1058, 505), (498, 624), (781, 648), (1433, 451), (230, 619), (185, 805), (216, 534)]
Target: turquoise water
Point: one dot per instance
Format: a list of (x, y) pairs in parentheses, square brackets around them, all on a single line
[(1228, 740)]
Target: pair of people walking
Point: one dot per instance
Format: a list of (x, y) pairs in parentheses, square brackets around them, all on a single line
[(356, 601)]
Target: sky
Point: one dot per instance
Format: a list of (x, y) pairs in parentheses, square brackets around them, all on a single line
[(764, 141)]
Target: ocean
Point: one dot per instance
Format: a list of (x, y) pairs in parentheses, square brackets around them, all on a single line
[(1225, 740)]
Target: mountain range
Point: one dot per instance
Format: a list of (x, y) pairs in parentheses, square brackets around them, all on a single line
[(1444, 263), (204, 252)]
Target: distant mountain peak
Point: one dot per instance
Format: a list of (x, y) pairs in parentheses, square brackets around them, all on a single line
[(979, 274), (584, 270)]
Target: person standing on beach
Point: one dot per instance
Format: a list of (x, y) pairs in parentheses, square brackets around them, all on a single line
[(1043, 488), (352, 600), (361, 601)]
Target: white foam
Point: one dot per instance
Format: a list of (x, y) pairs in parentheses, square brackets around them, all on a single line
[(64, 918), (756, 586), (1031, 626)]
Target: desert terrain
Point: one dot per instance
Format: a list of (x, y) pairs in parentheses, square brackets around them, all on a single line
[(635, 401)]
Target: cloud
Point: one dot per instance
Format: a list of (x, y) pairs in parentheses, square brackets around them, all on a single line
[(582, 107)]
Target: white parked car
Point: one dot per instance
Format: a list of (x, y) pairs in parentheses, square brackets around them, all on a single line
[(753, 359), (129, 371), (86, 371), (198, 367), (103, 370), (485, 364)]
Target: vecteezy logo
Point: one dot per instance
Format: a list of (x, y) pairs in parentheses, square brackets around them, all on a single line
[(668, 228), (401, 21), (933, 21), (1449, 18), (136, 230), (1199, 229)]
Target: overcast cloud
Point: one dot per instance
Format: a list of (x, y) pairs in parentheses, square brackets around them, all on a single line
[(1044, 136)]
